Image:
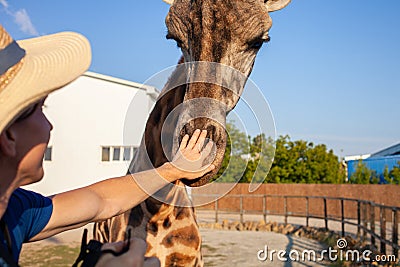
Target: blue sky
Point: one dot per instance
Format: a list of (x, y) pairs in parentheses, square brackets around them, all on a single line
[(331, 72)]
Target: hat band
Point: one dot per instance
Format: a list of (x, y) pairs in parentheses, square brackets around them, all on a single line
[(9, 56)]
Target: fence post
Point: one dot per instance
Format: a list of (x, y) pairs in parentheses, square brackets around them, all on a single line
[(265, 208), (383, 230), (358, 218), (365, 223), (285, 208), (326, 215), (216, 210), (342, 210), (241, 208), (372, 222), (395, 232), (307, 212)]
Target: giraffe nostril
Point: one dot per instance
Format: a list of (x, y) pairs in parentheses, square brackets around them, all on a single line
[(212, 127), (187, 129), (211, 131)]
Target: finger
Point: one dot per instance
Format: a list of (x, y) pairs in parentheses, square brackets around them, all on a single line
[(105, 259), (138, 247), (211, 167), (117, 246), (201, 140), (207, 150), (136, 252), (151, 262), (193, 140), (206, 169), (184, 142)]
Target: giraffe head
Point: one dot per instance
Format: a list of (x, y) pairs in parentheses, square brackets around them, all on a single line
[(227, 32)]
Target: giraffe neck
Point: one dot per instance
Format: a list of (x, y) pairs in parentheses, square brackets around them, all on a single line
[(152, 151), (171, 232)]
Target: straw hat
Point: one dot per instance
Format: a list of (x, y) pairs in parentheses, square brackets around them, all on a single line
[(31, 69)]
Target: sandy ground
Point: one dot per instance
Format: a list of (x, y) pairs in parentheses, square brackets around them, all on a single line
[(232, 248), (205, 216)]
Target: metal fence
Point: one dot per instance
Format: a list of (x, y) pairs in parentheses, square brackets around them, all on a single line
[(374, 221)]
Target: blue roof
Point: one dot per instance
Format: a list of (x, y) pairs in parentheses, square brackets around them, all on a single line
[(390, 151)]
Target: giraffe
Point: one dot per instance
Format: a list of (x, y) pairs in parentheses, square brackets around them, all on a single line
[(228, 32)]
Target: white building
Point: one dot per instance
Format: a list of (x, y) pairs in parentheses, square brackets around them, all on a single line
[(356, 157), (87, 143)]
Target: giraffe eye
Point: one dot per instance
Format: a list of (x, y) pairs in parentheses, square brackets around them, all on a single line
[(256, 45), (258, 42)]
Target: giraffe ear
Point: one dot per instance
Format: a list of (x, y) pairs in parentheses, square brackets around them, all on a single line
[(274, 5), (169, 2)]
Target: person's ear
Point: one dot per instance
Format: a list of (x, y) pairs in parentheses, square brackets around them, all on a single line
[(8, 144)]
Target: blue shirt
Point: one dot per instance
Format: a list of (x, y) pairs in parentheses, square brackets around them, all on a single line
[(26, 215)]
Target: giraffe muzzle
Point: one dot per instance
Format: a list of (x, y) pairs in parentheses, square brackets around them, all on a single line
[(216, 133)]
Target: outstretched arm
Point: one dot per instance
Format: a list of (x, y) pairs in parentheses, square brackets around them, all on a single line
[(114, 196)]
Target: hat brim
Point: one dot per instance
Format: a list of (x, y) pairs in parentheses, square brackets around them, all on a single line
[(51, 62)]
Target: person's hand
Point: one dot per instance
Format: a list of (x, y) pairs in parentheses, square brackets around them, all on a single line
[(189, 160), (134, 257)]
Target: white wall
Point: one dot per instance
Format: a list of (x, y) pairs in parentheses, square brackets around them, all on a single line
[(86, 115)]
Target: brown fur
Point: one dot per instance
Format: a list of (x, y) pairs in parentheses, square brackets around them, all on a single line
[(187, 236), (177, 259)]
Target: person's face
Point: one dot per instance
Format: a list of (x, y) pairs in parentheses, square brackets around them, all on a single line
[(32, 134)]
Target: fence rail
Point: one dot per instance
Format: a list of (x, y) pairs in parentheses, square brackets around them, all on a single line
[(366, 213)]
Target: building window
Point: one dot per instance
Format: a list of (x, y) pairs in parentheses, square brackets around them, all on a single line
[(48, 153), (105, 153), (127, 153), (116, 153)]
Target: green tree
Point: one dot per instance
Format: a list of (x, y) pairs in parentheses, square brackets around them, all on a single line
[(386, 175), (363, 175), (260, 159), (256, 160), (324, 165), (282, 167), (394, 175), (233, 164), (375, 179), (302, 162)]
